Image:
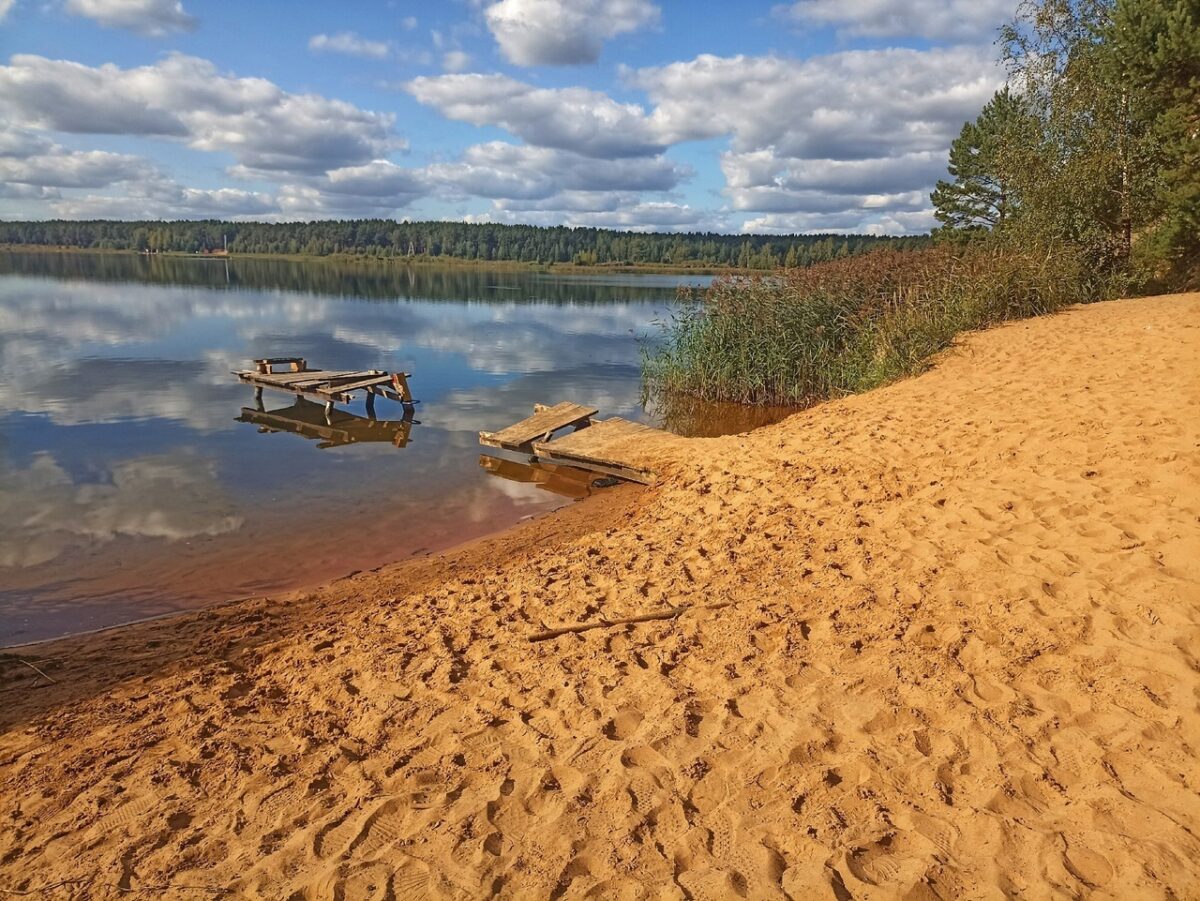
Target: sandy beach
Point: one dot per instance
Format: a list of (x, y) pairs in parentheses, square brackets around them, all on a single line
[(941, 640)]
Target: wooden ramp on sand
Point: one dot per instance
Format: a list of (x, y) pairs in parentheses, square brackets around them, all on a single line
[(613, 447), (324, 385)]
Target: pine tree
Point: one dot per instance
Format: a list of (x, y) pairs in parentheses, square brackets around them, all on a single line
[(1156, 44), (982, 162)]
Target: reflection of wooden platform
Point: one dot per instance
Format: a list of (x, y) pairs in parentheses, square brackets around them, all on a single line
[(614, 447), (327, 386), (566, 481), (336, 429), (544, 422)]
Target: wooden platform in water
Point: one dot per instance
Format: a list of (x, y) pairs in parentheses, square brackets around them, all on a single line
[(327, 386), (544, 422), (614, 447)]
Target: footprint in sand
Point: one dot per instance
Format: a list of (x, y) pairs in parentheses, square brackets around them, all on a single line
[(132, 815), (889, 863), (624, 724), (404, 879), (431, 791), (333, 839), (940, 833), (1089, 867), (713, 885), (988, 692), (130, 812)]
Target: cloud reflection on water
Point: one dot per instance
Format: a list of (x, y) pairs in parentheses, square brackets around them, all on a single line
[(44, 512), (117, 418)]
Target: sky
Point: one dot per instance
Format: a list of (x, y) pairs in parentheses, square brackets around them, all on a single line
[(675, 115)]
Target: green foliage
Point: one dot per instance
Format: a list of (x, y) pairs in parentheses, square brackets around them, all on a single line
[(1156, 49), (1092, 151), (1094, 180), (847, 326), (386, 239), (985, 161)]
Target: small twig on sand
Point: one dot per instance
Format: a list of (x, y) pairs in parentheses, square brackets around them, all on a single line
[(20, 659), (669, 613)]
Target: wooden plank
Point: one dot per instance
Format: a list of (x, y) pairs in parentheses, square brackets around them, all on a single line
[(355, 385), (608, 446), (290, 378), (540, 426), (602, 441), (328, 378)]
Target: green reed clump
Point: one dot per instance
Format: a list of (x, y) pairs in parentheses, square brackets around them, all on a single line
[(800, 336)]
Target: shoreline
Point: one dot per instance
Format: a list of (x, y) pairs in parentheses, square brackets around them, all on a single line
[(938, 638), (461, 548), (187, 633)]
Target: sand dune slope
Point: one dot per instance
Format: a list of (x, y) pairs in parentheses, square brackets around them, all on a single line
[(945, 643)]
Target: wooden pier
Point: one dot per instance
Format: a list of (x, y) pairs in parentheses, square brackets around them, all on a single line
[(612, 447), (326, 386)]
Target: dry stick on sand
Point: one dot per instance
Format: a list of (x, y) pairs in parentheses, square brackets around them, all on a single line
[(31, 666), (669, 613)]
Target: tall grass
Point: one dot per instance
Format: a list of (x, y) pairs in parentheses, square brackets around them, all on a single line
[(805, 335)]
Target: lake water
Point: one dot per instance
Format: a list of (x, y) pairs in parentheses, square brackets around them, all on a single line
[(138, 478)]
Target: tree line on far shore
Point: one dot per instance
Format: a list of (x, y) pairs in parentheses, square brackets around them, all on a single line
[(387, 239)]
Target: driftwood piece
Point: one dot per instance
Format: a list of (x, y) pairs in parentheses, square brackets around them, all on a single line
[(19, 659), (669, 613)]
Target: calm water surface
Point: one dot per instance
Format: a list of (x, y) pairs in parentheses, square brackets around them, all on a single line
[(138, 478)]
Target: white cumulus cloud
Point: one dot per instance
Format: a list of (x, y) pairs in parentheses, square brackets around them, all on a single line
[(350, 44), (563, 32), (263, 126), (577, 119), (501, 170), (153, 18), (931, 19)]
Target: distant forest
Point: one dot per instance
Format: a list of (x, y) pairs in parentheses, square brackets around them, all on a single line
[(387, 239)]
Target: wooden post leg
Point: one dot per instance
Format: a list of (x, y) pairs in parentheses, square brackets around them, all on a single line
[(371, 403), (329, 412), (400, 383), (258, 393)]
